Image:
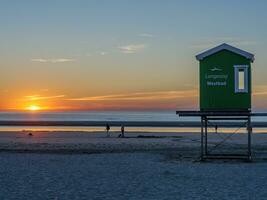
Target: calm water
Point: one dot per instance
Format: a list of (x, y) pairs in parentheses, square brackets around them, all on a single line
[(100, 116), (92, 116)]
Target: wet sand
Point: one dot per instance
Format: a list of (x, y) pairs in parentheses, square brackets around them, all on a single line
[(186, 145)]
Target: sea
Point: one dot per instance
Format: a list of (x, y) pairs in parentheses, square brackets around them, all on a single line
[(99, 116), (93, 116)]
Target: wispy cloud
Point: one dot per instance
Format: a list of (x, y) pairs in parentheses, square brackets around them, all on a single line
[(132, 48), (103, 53), (141, 96), (259, 90), (52, 60), (45, 90), (39, 97), (148, 35)]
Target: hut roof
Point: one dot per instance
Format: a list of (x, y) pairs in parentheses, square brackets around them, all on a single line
[(228, 47)]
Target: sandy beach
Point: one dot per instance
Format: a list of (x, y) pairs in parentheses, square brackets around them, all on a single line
[(82, 165), (126, 176), (186, 145)]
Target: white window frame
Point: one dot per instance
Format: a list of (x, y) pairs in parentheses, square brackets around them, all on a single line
[(237, 68)]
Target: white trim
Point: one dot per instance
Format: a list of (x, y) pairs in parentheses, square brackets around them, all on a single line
[(228, 47), (241, 66), (245, 68)]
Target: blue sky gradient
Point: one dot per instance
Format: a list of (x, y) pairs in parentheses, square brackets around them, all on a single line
[(82, 49)]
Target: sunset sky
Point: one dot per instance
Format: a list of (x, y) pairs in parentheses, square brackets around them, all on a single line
[(120, 54)]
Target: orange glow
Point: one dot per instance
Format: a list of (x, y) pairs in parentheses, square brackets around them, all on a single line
[(143, 100), (33, 108)]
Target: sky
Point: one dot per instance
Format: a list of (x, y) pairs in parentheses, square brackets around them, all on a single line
[(120, 54)]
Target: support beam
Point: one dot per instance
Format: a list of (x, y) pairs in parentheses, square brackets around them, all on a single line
[(201, 140), (244, 116), (206, 136), (249, 130)]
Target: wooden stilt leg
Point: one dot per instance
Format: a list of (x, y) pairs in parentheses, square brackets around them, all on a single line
[(249, 129), (206, 136), (201, 140)]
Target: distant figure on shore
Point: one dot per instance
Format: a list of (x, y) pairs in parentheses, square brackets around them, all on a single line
[(122, 132), (107, 130), (216, 128), (30, 134)]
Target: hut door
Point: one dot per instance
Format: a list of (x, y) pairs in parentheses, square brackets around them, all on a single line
[(241, 78)]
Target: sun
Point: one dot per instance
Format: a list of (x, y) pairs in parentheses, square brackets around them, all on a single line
[(33, 108)]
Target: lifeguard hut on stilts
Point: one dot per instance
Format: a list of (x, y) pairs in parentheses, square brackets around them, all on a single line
[(225, 94)]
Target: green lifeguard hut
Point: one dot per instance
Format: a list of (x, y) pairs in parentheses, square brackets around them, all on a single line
[(225, 79), (225, 95)]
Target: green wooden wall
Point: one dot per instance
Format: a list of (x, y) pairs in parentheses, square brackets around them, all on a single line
[(220, 93)]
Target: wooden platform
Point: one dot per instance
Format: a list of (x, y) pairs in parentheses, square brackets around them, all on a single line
[(216, 115), (231, 113)]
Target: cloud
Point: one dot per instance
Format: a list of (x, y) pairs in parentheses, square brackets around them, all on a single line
[(52, 60), (259, 90), (259, 93), (148, 35), (44, 90), (103, 53), (141, 96), (132, 48), (39, 97)]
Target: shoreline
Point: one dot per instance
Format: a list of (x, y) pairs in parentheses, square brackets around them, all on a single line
[(140, 124)]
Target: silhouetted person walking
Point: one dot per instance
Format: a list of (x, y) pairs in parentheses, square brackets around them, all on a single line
[(107, 130), (122, 131), (216, 128)]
